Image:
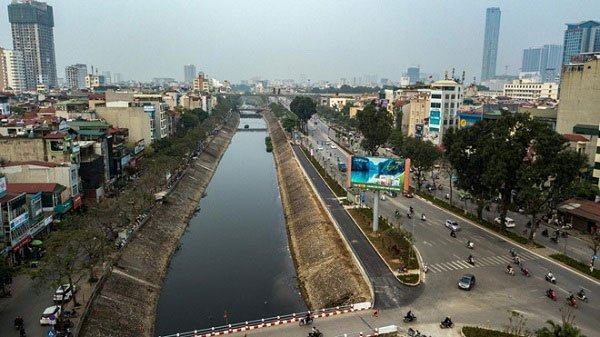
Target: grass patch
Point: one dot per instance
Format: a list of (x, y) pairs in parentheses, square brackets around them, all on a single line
[(391, 242), (472, 331), (335, 187), (459, 211), (409, 278), (582, 267)]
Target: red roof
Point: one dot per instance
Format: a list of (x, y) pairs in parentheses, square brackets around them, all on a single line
[(49, 110), (55, 135), (31, 187), (31, 162), (575, 137), (582, 208)]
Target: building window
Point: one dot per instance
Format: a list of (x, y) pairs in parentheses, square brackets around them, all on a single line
[(436, 105)]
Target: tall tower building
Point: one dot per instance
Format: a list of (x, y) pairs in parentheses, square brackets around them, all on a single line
[(583, 37), (545, 60), (75, 76), (12, 70), (189, 73), (490, 43), (413, 74), (32, 24)]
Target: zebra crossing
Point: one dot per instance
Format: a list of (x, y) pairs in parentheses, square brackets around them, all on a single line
[(479, 262)]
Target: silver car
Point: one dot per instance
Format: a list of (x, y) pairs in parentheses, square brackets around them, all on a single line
[(452, 225)]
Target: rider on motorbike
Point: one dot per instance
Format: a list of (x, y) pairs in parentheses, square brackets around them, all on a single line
[(581, 293), (423, 216), (453, 233), (470, 244), (509, 269), (409, 315), (471, 259), (550, 276), (447, 321)]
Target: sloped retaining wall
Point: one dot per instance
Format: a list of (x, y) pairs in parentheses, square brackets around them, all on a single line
[(126, 303), (326, 271)]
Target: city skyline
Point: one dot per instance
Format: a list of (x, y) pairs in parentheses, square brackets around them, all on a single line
[(304, 38), (490, 43)]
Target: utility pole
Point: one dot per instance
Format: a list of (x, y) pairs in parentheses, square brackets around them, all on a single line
[(376, 212)]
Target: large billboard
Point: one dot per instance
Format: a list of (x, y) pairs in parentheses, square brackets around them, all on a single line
[(379, 173), (435, 120)]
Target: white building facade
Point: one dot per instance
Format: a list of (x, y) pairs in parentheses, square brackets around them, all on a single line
[(446, 99), (522, 89)]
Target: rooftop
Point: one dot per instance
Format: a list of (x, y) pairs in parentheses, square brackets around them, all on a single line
[(30, 188), (582, 208), (575, 138), (31, 162)]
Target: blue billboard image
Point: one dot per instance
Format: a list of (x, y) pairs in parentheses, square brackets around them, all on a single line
[(377, 173)]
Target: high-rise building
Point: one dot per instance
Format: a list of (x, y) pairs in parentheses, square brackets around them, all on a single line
[(117, 78), (107, 77), (414, 74), (12, 70), (32, 25), (189, 73), (75, 76), (490, 43), (545, 60), (583, 37)]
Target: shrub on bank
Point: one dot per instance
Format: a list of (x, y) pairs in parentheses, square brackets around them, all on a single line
[(472, 331), (576, 264), (338, 190)]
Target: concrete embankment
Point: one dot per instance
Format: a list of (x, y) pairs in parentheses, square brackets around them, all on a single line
[(327, 273), (126, 304)]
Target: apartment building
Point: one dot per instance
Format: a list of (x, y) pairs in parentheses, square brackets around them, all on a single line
[(529, 90)]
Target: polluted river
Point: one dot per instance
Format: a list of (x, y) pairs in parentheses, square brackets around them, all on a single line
[(234, 262)]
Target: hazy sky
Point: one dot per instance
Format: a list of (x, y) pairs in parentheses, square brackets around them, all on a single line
[(323, 39)]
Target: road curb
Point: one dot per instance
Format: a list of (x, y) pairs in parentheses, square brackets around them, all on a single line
[(510, 241)]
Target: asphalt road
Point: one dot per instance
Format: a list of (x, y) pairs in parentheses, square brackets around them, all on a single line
[(389, 293), (496, 292), (28, 302)]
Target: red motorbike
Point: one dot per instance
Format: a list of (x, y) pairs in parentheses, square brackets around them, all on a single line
[(525, 272), (551, 294), (572, 302)]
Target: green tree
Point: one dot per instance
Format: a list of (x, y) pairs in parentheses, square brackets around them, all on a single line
[(289, 124), (304, 107), (422, 155), (6, 275), (189, 120), (396, 140), (566, 329), (376, 127), (63, 262), (465, 150)]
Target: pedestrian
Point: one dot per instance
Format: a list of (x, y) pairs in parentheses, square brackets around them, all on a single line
[(376, 313)]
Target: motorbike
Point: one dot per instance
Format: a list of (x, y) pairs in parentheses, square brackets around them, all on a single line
[(551, 294), (572, 302), (470, 244), (510, 272), (414, 333), (19, 323), (582, 297), (425, 268), (453, 234), (70, 313), (423, 218), (525, 272), (315, 334), (305, 321), (408, 215), (512, 252), (445, 325), (471, 260), (550, 278), (408, 319)]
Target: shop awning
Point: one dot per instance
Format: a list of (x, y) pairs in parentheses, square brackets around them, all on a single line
[(64, 207)]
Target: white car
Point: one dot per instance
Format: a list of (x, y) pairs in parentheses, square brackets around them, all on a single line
[(50, 315), (63, 293), (508, 222), (320, 148), (453, 225)]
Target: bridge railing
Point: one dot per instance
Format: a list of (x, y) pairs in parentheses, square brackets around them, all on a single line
[(271, 321)]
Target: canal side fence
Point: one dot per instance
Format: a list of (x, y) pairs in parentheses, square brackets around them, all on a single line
[(272, 321)]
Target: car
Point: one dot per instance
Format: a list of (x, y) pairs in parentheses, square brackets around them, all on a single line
[(50, 315), (63, 293), (508, 222), (333, 146), (320, 148), (466, 282), (453, 225)]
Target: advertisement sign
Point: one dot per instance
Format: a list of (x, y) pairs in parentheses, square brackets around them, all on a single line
[(36, 204), (419, 130), (2, 186), (139, 147), (125, 160), (19, 221), (378, 173), (468, 120), (435, 117)]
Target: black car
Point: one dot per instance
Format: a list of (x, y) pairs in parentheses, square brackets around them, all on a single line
[(467, 282)]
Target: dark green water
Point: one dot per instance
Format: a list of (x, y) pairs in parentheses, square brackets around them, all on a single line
[(234, 256)]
